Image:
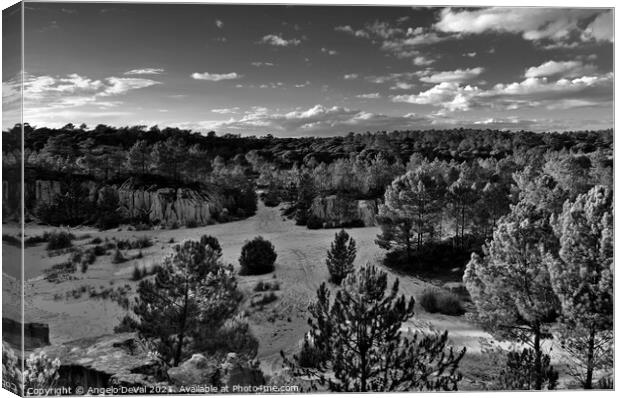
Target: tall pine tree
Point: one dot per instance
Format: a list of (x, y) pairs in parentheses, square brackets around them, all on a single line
[(340, 257)]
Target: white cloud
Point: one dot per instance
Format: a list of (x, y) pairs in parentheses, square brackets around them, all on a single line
[(561, 68), (278, 41), (470, 55), (601, 29), (120, 85), (348, 29), (304, 84), (317, 120), (351, 76), (531, 92), (369, 96), (225, 110), (259, 64), (219, 23), (422, 61), (532, 23), (328, 51), (145, 71), (458, 75), (402, 86), (215, 77)]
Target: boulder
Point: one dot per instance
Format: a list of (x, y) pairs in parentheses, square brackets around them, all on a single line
[(198, 370), (238, 371)]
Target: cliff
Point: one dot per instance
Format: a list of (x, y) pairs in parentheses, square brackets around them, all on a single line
[(336, 211)]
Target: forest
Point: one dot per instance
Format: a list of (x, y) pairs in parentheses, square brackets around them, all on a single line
[(522, 221)]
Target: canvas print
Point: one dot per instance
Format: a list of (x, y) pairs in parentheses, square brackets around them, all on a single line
[(207, 198)]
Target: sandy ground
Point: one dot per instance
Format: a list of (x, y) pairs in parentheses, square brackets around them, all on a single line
[(300, 269)]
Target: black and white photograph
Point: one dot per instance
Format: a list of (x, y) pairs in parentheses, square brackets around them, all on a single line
[(293, 198)]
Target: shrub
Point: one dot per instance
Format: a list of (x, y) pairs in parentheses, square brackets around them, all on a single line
[(12, 240), (59, 240), (96, 241), (263, 286), (340, 257), (314, 222), (433, 300), (263, 299), (234, 335), (271, 198), (128, 324), (519, 371), (99, 250), (309, 355), (191, 224), (118, 257), (84, 267), (41, 371), (212, 242), (257, 257)]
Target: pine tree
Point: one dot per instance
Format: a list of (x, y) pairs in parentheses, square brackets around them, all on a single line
[(340, 257), (360, 345), (192, 294), (582, 277), (139, 157), (511, 286)]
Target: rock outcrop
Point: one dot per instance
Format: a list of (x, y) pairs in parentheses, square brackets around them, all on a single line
[(336, 211), (118, 360), (35, 334), (168, 205)]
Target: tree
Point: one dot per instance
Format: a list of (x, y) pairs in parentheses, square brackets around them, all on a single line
[(257, 257), (192, 294), (139, 157), (305, 196), (361, 346), (411, 209), (582, 277), (340, 257), (510, 285)]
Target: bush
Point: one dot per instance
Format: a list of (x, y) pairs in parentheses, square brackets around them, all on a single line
[(263, 286), (59, 240), (128, 324), (234, 335), (519, 372), (433, 300), (212, 242), (12, 240), (257, 257), (96, 241), (118, 257), (191, 224), (314, 222), (263, 299), (309, 355)]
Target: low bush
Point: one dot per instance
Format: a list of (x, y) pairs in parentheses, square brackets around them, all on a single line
[(59, 240), (309, 355), (257, 257), (519, 372), (434, 300), (96, 241), (234, 335), (263, 299), (191, 224), (118, 257), (264, 286), (314, 222), (12, 240)]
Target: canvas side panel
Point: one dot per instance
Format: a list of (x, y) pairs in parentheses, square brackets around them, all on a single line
[(12, 182)]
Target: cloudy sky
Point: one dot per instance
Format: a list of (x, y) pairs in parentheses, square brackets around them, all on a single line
[(300, 70)]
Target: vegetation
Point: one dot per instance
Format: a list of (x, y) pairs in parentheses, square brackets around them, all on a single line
[(59, 240), (434, 300), (340, 257), (520, 372), (361, 347), (191, 296), (257, 257)]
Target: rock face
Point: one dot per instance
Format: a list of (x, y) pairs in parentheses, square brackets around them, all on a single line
[(168, 205), (118, 360), (335, 211), (35, 334)]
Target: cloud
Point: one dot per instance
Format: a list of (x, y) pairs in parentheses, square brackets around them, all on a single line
[(317, 120), (215, 77), (351, 76), (402, 86), (537, 92), (348, 29), (369, 96), (259, 64), (328, 51), (278, 41), (601, 29), (422, 61), (470, 55), (562, 69), (145, 71), (301, 85), (219, 24), (532, 23), (50, 99), (458, 75), (225, 110)]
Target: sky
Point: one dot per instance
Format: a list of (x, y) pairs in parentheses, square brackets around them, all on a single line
[(314, 70)]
